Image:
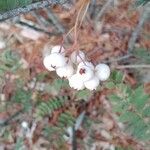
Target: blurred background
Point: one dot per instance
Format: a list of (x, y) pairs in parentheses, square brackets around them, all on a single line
[(39, 111)]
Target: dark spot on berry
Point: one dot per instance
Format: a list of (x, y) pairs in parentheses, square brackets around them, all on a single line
[(82, 71), (53, 66)]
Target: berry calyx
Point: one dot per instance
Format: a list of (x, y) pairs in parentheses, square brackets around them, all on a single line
[(85, 72)]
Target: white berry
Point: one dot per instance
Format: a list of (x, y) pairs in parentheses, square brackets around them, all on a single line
[(69, 135), (77, 57), (70, 131), (2, 44), (57, 49), (92, 84), (53, 61), (85, 72), (24, 124), (65, 71), (102, 72), (76, 82), (47, 64)]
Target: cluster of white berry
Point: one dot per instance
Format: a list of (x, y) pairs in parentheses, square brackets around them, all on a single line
[(80, 73)]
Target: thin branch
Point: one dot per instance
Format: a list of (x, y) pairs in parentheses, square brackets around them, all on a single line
[(92, 8), (54, 20), (84, 14), (132, 66), (118, 58), (138, 28), (33, 6), (103, 10), (42, 22), (38, 29), (74, 142)]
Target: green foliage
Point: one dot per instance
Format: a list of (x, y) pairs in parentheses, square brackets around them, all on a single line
[(142, 54), (48, 107), (56, 86), (41, 76), (83, 94), (115, 79), (6, 5), (9, 62), (55, 136), (19, 144), (120, 148), (6, 134), (56, 133), (132, 105), (142, 2), (23, 97), (66, 119), (59, 83)]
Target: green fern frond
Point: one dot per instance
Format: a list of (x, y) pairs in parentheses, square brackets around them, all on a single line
[(146, 111), (50, 131), (23, 97), (120, 148), (83, 94), (138, 98), (133, 112), (47, 108), (142, 54), (66, 119), (6, 5), (142, 2), (9, 61), (133, 108), (19, 144), (55, 136), (56, 133)]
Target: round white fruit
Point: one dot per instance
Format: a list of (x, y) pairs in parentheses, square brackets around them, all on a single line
[(77, 57), (92, 84), (102, 71), (2, 44), (85, 72), (24, 124), (47, 63), (65, 71), (57, 49), (53, 61), (76, 82), (69, 135)]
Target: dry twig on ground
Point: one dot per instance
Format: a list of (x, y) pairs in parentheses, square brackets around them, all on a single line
[(38, 5), (138, 28)]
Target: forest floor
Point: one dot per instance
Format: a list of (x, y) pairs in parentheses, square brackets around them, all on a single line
[(117, 35)]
